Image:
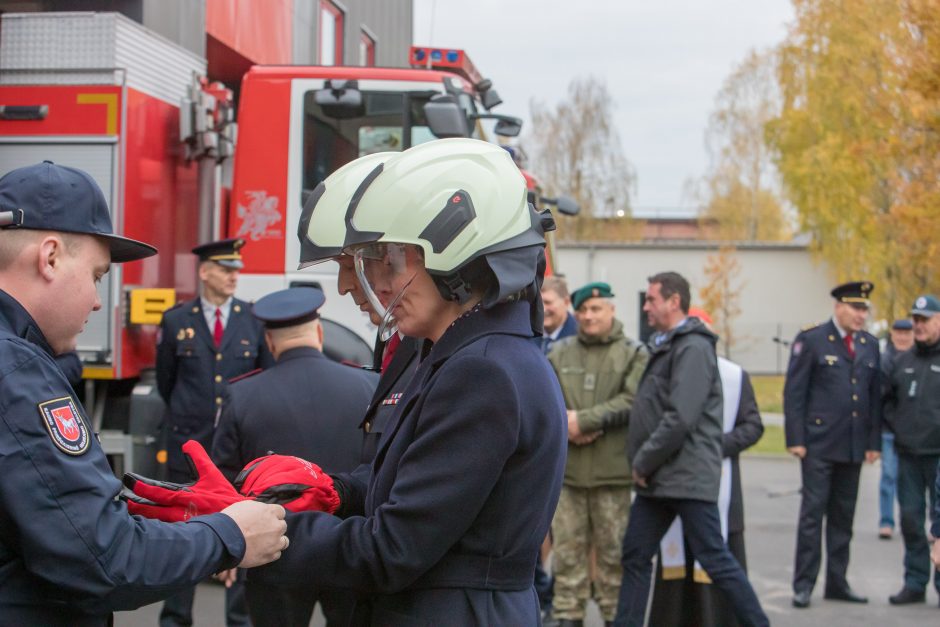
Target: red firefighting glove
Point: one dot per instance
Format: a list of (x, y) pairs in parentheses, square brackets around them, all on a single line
[(295, 483), (209, 493)]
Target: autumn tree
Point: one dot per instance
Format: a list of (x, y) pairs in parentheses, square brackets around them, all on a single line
[(576, 151), (856, 139), (741, 193), (721, 296)]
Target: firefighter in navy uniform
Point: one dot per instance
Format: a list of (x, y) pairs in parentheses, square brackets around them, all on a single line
[(469, 468), (203, 343), (305, 405), (832, 401), (70, 554)]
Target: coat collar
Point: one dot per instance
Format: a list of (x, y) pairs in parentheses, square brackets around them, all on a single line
[(300, 352), (236, 314), (503, 318), (15, 317)]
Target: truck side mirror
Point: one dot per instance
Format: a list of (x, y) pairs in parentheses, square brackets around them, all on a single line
[(340, 99), (445, 118), (508, 127), (565, 205)]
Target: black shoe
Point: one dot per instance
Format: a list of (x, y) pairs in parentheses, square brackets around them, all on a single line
[(907, 596), (801, 599), (848, 595)]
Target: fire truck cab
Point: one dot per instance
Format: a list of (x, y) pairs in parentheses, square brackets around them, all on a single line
[(299, 124)]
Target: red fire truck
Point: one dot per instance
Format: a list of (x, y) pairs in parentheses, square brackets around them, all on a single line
[(101, 92)]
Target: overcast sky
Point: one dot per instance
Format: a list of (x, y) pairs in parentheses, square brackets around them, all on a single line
[(663, 62)]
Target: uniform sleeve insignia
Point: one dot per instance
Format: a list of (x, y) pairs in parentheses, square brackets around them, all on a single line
[(65, 425), (190, 333), (181, 335), (797, 347)]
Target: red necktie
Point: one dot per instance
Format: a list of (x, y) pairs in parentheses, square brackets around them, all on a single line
[(218, 330), (849, 346), (390, 349)]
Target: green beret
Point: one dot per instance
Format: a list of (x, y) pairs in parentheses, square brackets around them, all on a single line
[(591, 290)]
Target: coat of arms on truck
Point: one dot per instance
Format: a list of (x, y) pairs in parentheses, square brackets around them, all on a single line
[(260, 216)]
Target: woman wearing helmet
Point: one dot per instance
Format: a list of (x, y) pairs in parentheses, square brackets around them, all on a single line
[(467, 475)]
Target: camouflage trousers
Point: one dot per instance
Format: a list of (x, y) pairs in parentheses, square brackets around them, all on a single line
[(588, 519)]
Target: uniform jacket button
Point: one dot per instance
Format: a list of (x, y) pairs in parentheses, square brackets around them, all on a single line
[(218, 378)]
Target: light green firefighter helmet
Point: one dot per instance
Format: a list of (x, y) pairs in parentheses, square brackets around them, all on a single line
[(459, 200), (322, 229)]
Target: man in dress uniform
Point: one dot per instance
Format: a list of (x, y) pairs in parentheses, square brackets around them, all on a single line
[(70, 554), (832, 404), (306, 406), (203, 343)]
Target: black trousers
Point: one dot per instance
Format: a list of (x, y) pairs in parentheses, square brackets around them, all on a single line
[(830, 491), (284, 606), (649, 520)]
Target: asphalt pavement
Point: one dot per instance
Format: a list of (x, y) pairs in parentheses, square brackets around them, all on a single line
[(771, 506)]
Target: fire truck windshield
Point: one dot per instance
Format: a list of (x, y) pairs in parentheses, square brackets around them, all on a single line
[(389, 121)]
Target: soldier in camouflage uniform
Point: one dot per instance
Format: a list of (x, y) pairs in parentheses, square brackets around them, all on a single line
[(599, 370)]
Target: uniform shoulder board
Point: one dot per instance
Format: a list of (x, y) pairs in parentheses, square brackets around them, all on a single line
[(808, 327), (248, 374)]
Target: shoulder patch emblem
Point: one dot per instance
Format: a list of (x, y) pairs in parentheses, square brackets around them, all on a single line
[(65, 425), (797, 347)]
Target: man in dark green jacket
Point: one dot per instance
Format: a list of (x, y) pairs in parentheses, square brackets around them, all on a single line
[(675, 450), (599, 370)]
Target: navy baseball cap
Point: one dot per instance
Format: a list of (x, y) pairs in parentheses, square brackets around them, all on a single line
[(52, 197), (290, 307), (927, 306)]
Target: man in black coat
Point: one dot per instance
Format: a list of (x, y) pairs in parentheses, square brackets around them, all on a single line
[(675, 449), (913, 403), (306, 406), (203, 343), (832, 411)]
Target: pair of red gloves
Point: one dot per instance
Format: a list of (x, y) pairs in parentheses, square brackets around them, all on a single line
[(295, 483)]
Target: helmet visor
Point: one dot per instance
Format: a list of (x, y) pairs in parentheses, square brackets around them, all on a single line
[(384, 273)]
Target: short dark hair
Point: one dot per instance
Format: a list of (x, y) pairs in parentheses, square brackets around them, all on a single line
[(673, 283)]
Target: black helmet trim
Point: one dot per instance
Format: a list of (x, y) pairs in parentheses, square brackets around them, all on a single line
[(450, 221), (353, 235), (311, 253)]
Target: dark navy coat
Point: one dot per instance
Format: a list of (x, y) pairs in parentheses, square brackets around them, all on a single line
[(832, 403), (388, 393), (305, 405), (70, 554), (192, 373), (568, 328), (463, 487)]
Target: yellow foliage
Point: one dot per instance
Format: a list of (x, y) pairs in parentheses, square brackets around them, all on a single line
[(857, 139)]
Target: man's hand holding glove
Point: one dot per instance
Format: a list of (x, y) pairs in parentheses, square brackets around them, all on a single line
[(209, 493), (295, 483)]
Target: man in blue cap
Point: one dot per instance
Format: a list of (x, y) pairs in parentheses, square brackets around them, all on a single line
[(832, 413), (900, 339), (306, 405), (71, 554), (913, 397), (202, 344)]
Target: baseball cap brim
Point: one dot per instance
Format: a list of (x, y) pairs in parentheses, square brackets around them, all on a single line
[(126, 249), (926, 313)]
